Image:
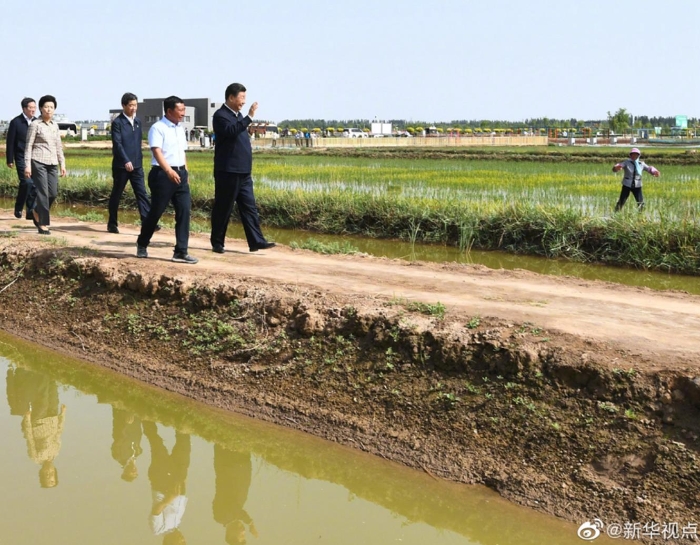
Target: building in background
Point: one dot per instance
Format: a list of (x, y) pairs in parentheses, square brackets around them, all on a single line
[(198, 113)]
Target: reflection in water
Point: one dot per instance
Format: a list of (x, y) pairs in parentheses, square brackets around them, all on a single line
[(126, 442), (35, 397), (211, 484), (233, 471), (167, 474)]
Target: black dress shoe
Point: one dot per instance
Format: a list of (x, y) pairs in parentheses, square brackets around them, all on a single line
[(18, 215), (43, 231), (217, 249), (263, 246), (112, 229)]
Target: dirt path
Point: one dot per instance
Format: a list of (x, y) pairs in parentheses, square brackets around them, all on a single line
[(661, 328)]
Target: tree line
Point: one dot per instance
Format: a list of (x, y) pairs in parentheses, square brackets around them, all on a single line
[(618, 121)]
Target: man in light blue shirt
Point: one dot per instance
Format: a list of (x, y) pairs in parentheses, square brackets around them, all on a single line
[(168, 180)]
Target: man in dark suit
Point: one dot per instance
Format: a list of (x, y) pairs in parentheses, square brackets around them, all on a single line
[(233, 473), (127, 161), (16, 143), (233, 164)]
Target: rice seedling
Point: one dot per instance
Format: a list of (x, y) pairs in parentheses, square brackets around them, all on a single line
[(555, 206)]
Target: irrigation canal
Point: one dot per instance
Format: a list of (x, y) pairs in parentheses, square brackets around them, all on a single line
[(126, 463), (93, 457)]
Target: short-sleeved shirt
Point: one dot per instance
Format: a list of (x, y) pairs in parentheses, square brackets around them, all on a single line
[(170, 138), (171, 517)]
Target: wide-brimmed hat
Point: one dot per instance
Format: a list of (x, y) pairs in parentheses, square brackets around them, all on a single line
[(635, 150)]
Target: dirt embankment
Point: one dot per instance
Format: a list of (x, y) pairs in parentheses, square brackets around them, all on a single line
[(579, 399)]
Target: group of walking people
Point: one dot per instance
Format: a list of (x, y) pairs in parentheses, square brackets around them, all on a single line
[(34, 146), (168, 178)]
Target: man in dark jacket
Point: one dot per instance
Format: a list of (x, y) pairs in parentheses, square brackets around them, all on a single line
[(127, 161), (16, 142), (233, 472), (233, 164)]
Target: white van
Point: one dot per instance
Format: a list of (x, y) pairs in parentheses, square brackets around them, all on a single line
[(67, 128), (354, 133)]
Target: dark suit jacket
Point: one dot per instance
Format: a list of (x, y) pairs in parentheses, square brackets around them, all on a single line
[(126, 142), (16, 139), (233, 152)]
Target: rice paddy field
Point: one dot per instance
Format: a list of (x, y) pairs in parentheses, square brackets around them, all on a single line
[(554, 204)]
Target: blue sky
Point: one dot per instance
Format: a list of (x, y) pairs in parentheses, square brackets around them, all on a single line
[(430, 60)]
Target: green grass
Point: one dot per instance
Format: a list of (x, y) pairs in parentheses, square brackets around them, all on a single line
[(325, 248), (553, 202)]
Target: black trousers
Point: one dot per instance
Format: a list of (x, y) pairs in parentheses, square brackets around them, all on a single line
[(168, 471), (45, 178), (638, 196), (120, 178), (232, 188), (164, 192), (26, 193)]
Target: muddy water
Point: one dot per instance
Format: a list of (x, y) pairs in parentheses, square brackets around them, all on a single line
[(92, 457)]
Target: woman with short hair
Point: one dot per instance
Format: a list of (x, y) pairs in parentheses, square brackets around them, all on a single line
[(44, 159)]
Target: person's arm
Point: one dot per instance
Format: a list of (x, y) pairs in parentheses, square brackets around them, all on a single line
[(184, 151), (118, 145), (59, 153), (159, 506), (651, 170), (28, 431), (618, 166), (155, 141), (225, 126), (31, 135), (247, 519), (139, 148), (162, 163), (61, 419), (10, 147)]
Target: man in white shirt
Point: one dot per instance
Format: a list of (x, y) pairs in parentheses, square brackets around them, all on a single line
[(167, 475), (168, 180)]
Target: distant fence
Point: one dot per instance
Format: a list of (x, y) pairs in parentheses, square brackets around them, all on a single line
[(396, 142)]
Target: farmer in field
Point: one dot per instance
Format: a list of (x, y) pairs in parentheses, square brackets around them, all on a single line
[(632, 178)]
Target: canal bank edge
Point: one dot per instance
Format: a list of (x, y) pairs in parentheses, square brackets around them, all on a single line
[(563, 424)]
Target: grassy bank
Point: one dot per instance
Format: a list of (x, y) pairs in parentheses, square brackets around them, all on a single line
[(557, 206)]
